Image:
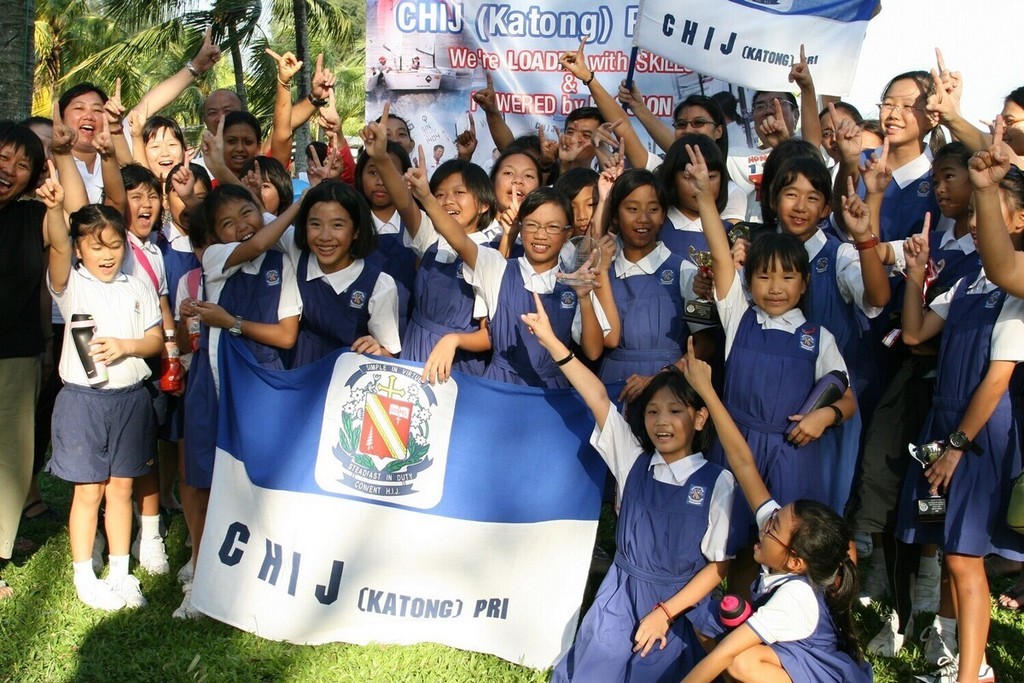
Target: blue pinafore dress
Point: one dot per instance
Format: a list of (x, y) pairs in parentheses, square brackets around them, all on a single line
[(680, 241), (658, 537), (975, 522), (443, 305), (818, 657), (517, 357), (653, 330), (398, 261), (254, 297), (176, 264), (331, 321), (768, 376), (824, 303)]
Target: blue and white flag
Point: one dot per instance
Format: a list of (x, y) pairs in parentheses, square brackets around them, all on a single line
[(353, 503), (754, 43)]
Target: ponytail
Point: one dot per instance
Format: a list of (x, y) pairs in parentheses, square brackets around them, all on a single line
[(822, 541)]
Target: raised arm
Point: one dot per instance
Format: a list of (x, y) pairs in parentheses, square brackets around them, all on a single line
[(57, 230), (64, 167), (113, 185), (945, 102), (611, 110), (281, 133), (168, 90), (446, 226), (488, 101), (810, 124), (321, 85), (848, 140), (590, 388), (858, 217), (631, 97), (213, 155), (1004, 265), (376, 144), (115, 125), (918, 325), (722, 267), (264, 239)]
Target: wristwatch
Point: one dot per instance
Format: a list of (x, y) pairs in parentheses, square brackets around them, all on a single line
[(959, 441), (236, 329)]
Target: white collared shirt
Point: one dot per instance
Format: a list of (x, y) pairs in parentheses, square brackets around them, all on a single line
[(490, 269), (177, 240), (650, 264), (734, 305), (948, 239), (153, 255), (849, 275), (123, 309), (1007, 341), (912, 171), (620, 449), (93, 179)]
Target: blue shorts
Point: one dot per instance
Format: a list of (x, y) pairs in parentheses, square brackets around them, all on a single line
[(102, 433)]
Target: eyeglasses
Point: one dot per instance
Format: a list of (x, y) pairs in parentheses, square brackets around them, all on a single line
[(886, 108), (770, 523), (550, 228), (1010, 122), (762, 107), (692, 123)]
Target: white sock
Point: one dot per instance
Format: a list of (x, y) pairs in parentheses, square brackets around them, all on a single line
[(945, 624), (83, 572), (118, 566), (150, 525)]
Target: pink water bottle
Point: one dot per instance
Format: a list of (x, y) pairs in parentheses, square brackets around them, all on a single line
[(733, 611)]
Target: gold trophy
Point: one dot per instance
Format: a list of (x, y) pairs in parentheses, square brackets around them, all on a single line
[(700, 311), (740, 231)]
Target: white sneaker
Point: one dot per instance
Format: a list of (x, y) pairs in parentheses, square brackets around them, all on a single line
[(889, 640), (926, 587), (949, 670), (186, 573), (130, 591), (99, 595), (151, 554), (874, 584), (186, 610), (939, 644)]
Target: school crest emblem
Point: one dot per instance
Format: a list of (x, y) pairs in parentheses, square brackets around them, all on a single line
[(924, 188), (992, 300), (821, 265), (568, 299), (668, 276), (807, 339), (273, 278), (695, 495), (458, 272), (385, 433), (357, 300)]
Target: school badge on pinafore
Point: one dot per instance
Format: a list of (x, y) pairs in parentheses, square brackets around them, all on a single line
[(385, 433)]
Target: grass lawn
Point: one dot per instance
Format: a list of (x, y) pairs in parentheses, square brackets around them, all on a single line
[(47, 635)]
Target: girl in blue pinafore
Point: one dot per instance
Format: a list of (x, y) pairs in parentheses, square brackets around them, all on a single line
[(673, 536), (683, 226), (846, 280), (774, 356), (396, 217), (802, 627), (248, 292), (977, 414), (649, 283), (347, 299), (507, 287), (446, 331)]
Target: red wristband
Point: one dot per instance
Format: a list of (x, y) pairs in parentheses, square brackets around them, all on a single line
[(665, 610), (869, 243)]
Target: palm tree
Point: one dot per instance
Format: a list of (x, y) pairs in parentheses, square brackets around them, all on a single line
[(16, 35)]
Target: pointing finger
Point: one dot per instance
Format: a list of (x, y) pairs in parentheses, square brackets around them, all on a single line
[(997, 134), (926, 226), (273, 54), (117, 89), (803, 54), (490, 80), (939, 60), (320, 63), (422, 158)]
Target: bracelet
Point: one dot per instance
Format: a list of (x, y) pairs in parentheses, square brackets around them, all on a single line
[(315, 102), (192, 69), (839, 416), (591, 79), (168, 335), (565, 360), (869, 243), (287, 85), (665, 610)]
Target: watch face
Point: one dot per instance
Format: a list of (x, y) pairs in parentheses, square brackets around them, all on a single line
[(958, 440)]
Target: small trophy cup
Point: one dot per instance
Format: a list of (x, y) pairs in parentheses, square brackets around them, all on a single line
[(932, 508), (700, 311)]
